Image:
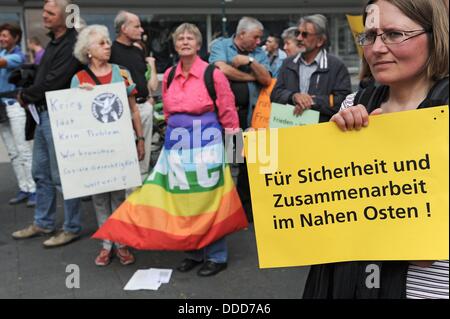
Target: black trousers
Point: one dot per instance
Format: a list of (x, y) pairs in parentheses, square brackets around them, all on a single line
[(243, 186)]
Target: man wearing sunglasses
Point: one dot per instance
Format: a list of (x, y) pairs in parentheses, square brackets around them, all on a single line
[(313, 79)]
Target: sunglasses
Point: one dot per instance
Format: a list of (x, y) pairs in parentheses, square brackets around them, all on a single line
[(304, 34)]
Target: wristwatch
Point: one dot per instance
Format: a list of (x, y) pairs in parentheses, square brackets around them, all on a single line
[(250, 60), (140, 138)]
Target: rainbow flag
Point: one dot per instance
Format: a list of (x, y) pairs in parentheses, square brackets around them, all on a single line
[(189, 200)]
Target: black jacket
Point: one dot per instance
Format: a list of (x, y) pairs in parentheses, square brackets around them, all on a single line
[(58, 66), (331, 77)]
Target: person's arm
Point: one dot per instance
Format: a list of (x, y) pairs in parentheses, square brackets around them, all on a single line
[(234, 74), (218, 56), (137, 126), (60, 72), (11, 61), (3, 63), (329, 104), (280, 93), (259, 70), (225, 102), (153, 83), (262, 75)]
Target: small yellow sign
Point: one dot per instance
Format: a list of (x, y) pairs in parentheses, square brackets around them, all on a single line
[(323, 195)]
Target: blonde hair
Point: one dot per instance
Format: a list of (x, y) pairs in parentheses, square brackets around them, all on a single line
[(189, 28), (84, 41), (432, 17)]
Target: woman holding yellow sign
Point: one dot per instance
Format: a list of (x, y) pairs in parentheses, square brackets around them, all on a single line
[(405, 46)]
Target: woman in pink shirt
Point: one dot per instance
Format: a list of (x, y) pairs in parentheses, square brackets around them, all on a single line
[(189, 107), (189, 201)]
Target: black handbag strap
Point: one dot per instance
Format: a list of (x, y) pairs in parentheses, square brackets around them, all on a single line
[(92, 75)]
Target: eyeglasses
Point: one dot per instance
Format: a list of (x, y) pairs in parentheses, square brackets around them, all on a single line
[(304, 34), (388, 37)]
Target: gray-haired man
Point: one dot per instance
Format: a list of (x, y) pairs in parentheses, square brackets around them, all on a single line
[(55, 72), (313, 79), (125, 53), (246, 66)]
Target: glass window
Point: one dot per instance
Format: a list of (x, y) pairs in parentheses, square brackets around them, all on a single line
[(102, 19), (9, 17)]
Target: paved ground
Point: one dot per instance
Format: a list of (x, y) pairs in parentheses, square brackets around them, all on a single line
[(27, 270)]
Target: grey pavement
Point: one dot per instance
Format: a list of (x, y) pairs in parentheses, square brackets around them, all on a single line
[(27, 270)]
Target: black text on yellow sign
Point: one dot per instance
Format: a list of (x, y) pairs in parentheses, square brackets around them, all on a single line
[(329, 196)]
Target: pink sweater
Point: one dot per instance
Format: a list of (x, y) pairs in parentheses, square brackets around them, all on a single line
[(189, 95)]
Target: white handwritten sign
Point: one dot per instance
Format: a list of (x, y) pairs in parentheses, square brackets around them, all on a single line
[(94, 141)]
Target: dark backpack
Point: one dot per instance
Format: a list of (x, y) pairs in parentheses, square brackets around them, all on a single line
[(207, 78)]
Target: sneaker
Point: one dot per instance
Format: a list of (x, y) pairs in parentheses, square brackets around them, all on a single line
[(20, 197), (103, 258), (31, 200), (60, 239), (125, 256), (31, 231)]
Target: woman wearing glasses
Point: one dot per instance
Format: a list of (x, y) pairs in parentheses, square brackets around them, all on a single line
[(407, 56)]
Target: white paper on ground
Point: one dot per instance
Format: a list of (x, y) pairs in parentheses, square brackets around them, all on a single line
[(163, 274), (148, 279)]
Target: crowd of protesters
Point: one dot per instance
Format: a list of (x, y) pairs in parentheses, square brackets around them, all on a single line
[(412, 37)]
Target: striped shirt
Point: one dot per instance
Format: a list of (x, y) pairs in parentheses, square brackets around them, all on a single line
[(306, 70), (421, 283), (428, 283)]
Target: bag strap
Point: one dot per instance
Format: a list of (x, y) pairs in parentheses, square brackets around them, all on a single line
[(208, 77), (92, 75), (171, 76)]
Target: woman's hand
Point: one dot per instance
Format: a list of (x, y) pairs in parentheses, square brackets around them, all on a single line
[(354, 117), (86, 86), (140, 146)]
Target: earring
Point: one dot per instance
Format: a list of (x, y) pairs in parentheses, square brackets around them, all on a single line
[(89, 56)]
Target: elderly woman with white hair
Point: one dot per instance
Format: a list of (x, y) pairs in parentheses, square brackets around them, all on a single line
[(290, 41), (93, 49)]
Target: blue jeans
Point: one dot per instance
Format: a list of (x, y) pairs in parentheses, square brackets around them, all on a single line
[(216, 252), (46, 175)]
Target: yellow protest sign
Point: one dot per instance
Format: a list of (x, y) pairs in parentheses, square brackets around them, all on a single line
[(357, 27), (321, 195)]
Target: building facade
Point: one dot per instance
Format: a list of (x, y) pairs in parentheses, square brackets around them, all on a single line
[(213, 17)]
